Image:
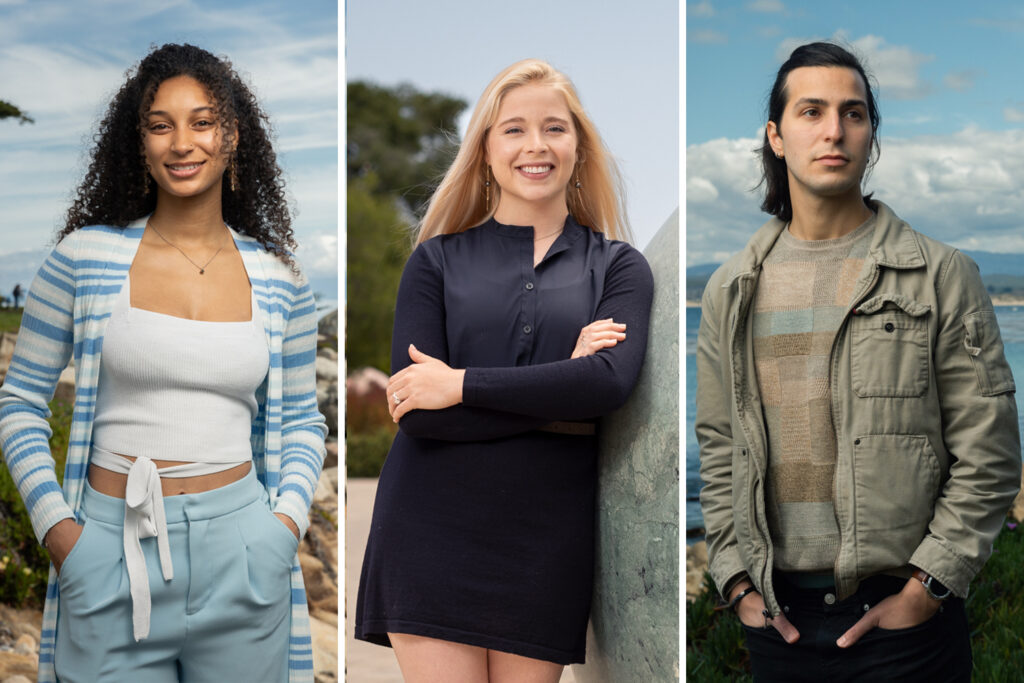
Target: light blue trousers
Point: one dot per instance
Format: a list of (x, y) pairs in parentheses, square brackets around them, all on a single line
[(225, 616)]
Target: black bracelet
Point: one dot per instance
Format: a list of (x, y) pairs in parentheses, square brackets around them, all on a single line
[(731, 605)]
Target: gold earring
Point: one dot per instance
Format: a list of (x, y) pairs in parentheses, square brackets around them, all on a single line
[(232, 175), (487, 188), (578, 186)]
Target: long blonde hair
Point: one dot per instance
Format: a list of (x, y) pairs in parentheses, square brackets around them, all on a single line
[(460, 203)]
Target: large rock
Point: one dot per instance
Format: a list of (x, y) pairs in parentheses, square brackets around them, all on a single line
[(696, 565), (366, 406), (19, 644), (325, 650), (1017, 510), (634, 620)]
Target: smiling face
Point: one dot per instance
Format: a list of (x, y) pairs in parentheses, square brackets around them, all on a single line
[(531, 149), (183, 140), (824, 133)]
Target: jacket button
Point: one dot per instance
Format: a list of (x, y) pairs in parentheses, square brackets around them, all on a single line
[(527, 329), (529, 285), (856, 442), (830, 598), (889, 327)]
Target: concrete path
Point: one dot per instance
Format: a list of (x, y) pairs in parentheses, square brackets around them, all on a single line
[(366, 663)]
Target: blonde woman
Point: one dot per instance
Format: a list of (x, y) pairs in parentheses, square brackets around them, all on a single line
[(521, 318)]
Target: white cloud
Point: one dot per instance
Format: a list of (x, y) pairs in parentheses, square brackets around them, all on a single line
[(769, 6), (707, 36), (961, 80), (701, 9), (894, 67), (963, 189), (1014, 114), (318, 254)]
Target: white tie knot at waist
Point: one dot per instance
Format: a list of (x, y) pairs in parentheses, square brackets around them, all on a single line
[(144, 517)]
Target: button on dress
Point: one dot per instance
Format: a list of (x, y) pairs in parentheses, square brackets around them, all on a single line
[(483, 525)]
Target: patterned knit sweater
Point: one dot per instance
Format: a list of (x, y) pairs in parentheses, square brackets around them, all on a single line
[(804, 290)]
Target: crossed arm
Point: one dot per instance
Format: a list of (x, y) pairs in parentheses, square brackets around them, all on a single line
[(456, 404)]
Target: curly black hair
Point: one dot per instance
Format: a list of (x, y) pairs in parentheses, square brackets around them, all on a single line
[(115, 190)]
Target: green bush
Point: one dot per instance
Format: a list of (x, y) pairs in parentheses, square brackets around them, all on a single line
[(995, 611), (365, 451), (24, 564), (10, 319)]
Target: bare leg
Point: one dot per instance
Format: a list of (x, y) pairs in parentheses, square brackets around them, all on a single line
[(429, 660), (508, 668)]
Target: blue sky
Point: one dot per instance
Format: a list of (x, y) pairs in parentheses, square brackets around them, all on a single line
[(950, 94), (62, 61), (622, 57)]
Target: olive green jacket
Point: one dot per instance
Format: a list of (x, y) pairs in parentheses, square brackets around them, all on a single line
[(928, 448)]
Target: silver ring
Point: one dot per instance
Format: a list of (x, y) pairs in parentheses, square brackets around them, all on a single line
[(397, 400)]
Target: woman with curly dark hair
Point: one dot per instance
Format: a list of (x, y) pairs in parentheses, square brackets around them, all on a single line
[(196, 443)]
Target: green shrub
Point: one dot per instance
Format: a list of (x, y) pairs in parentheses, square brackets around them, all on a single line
[(10, 319), (24, 564), (995, 611), (365, 451)]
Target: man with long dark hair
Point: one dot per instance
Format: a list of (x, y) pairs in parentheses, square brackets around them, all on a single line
[(855, 411)]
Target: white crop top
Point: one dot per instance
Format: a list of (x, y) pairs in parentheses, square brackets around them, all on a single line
[(177, 389), (171, 389)]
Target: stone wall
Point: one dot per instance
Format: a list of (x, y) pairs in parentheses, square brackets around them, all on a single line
[(634, 619)]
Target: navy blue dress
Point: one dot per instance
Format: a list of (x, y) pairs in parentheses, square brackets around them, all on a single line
[(483, 526)]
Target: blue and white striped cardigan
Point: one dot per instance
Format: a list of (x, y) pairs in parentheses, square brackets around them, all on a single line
[(66, 314)]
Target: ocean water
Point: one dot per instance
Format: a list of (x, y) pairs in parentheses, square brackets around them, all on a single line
[(1011, 325)]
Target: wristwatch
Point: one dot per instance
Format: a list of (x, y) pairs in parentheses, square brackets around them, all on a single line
[(935, 590)]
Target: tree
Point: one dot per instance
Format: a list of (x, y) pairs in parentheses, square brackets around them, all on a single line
[(8, 111), (404, 137), (399, 141)]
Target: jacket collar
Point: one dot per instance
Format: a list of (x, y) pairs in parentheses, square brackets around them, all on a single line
[(893, 244)]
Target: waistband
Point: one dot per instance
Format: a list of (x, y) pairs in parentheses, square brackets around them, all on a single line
[(183, 507)]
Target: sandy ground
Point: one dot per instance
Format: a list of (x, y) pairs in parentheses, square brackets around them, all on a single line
[(366, 663)]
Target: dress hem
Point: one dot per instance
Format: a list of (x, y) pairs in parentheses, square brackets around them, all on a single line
[(375, 631)]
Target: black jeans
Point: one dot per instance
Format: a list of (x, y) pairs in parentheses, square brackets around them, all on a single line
[(937, 650)]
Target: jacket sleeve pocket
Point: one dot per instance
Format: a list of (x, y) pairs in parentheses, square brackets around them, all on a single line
[(985, 347)]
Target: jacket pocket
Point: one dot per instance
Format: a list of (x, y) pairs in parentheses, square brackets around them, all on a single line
[(985, 347), (897, 479), (889, 347)]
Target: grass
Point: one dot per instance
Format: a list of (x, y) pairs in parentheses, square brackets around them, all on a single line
[(995, 611), (10, 319)]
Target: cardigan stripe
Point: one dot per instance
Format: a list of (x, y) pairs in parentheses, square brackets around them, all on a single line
[(66, 313)]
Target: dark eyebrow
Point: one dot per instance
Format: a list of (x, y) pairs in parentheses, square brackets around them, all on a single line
[(817, 101), (159, 112)]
